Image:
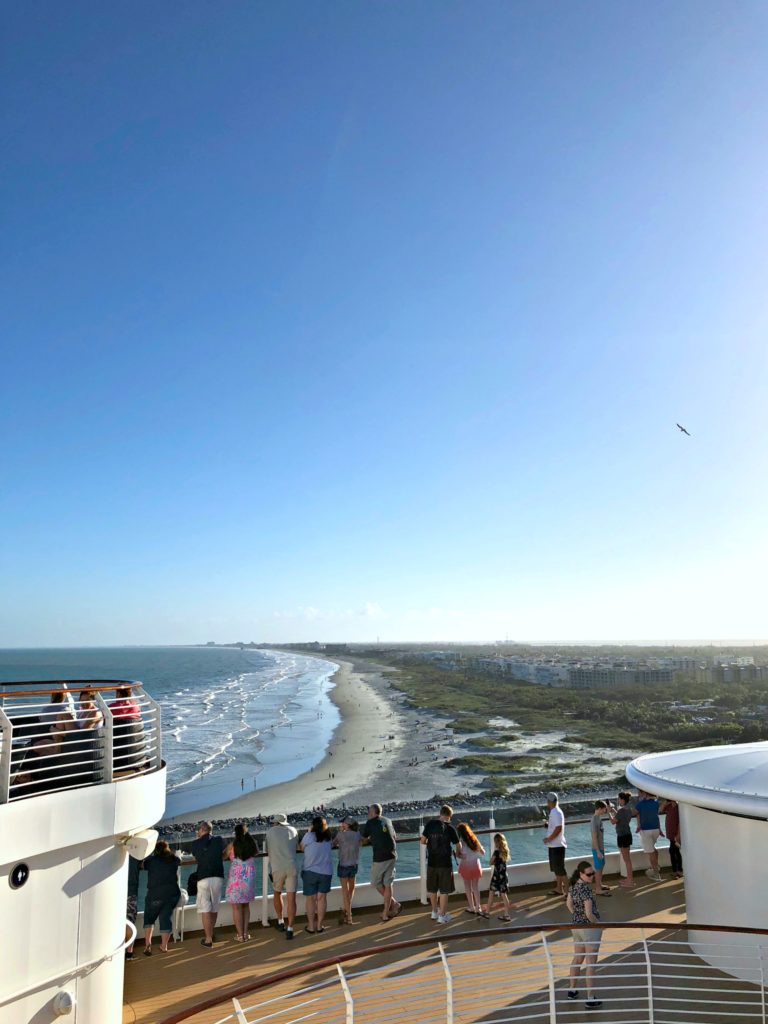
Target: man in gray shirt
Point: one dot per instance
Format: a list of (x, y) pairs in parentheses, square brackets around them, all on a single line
[(280, 842)]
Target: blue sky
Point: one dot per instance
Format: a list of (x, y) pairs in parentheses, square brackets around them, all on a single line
[(343, 320)]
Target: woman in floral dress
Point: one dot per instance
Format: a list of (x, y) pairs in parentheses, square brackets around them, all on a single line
[(241, 881)]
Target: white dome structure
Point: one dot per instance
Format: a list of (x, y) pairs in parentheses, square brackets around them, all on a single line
[(723, 797)]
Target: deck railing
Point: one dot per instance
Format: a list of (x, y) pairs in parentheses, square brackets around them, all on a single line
[(58, 736), (646, 972)]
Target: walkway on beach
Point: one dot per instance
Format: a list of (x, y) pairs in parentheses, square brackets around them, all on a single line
[(158, 986)]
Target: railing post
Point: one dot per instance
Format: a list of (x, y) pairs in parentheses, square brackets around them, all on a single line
[(350, 1018), (265, 891), (649, 976), (551, 979), (241, 1018), (108, 763), (762, 981), (448, 985), (157, 742), (6, 747), (423, 874)]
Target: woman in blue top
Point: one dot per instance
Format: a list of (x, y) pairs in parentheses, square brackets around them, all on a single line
[(316, 873)]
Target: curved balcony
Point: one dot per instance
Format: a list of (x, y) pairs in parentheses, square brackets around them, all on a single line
[(647, 972), (62, 736)]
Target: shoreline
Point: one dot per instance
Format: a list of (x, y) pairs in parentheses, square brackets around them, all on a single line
[(376, 754), (355, 752)]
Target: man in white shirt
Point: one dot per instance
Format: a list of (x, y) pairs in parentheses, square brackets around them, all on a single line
[(554, 840), (281, 841)]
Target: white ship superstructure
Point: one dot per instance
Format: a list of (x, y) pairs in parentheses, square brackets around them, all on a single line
[(81, 783)]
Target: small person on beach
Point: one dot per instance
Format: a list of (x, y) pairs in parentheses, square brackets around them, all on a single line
[(347, 842), (499, 886), (470, 868)]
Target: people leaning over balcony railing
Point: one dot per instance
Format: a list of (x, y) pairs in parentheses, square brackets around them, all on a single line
[(470, 867), (672, 827), (621, 817), (163, 892), (379, 833), (347, 841), (554, 840), (442, 842), (585, 917), (317, 873), (208, 851), (241, 880), (498, 888), (281, 843), (128, 746)]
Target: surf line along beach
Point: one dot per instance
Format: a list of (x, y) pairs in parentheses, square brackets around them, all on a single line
[(356, 755)]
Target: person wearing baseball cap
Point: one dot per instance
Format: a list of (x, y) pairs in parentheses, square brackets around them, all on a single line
[(554, 840), (280, 843)]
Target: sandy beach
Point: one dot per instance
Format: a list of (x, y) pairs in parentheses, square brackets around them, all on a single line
[(371, 755)]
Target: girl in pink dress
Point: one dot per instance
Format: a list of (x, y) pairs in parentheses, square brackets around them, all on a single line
[(241, 881)]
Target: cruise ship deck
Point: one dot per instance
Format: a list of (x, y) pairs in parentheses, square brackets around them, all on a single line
[(164, 988)]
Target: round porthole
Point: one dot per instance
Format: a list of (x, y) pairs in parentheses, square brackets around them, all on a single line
[(19, 876)]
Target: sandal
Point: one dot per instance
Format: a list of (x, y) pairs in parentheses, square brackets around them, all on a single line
[(147, 951), (310, 931), (396, 912)]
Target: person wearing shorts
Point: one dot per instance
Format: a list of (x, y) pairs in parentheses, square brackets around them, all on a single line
[(598, 847), (442, 842), (622, 819), (647, 808), (347, 842), (379, 833), (316, 873), (586, 932), (281, 842), (208, 851), (554, 840)]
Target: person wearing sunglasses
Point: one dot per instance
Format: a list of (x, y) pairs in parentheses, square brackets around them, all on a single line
[(585, 919)]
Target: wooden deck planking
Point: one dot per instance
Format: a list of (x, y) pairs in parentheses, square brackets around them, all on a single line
[(162, 984)]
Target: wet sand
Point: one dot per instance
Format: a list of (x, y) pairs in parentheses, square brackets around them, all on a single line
[(369, 755)]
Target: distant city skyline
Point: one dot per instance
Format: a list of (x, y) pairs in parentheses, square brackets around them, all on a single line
[(353, 320)]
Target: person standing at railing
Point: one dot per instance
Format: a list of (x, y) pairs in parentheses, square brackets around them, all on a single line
[(163, 894), (671, 813), (317, 873), (281, 841), (598, 847), (499, 887), (128, 736), (555, 842), (89, 721), (587, 932), (622, 819), (470, 868), (59, 714), (379, 833), (647, 809), (347, 842), (241, 881), (442, 842), (208, 851)]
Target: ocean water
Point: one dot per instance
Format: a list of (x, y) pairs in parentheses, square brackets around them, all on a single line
[(233, 721)]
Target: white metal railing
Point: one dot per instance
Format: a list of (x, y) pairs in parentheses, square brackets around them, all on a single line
[(638, 979), (68, 735)]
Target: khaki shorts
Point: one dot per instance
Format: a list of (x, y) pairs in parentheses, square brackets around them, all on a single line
[(284, 881), (209, 895), (382, 873), (648, 838)]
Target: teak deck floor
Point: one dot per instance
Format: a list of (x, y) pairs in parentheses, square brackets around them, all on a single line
[(157, 987)]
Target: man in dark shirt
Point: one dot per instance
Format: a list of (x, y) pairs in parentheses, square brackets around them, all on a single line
[(208, 851), (379, 833), (442, 842)]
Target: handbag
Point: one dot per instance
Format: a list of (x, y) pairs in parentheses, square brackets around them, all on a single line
[(192, 884)]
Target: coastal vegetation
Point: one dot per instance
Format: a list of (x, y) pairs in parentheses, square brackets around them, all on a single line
[(630, 720)]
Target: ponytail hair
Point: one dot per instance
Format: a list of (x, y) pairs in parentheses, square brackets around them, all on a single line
[(581, 866)]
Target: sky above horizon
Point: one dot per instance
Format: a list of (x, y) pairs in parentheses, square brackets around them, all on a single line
[(348, 321)]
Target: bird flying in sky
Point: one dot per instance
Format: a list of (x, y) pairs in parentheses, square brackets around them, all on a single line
[(683, 429)]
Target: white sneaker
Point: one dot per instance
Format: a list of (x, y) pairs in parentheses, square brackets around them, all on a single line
[(434, 915), (443, 918), (654, 875)]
